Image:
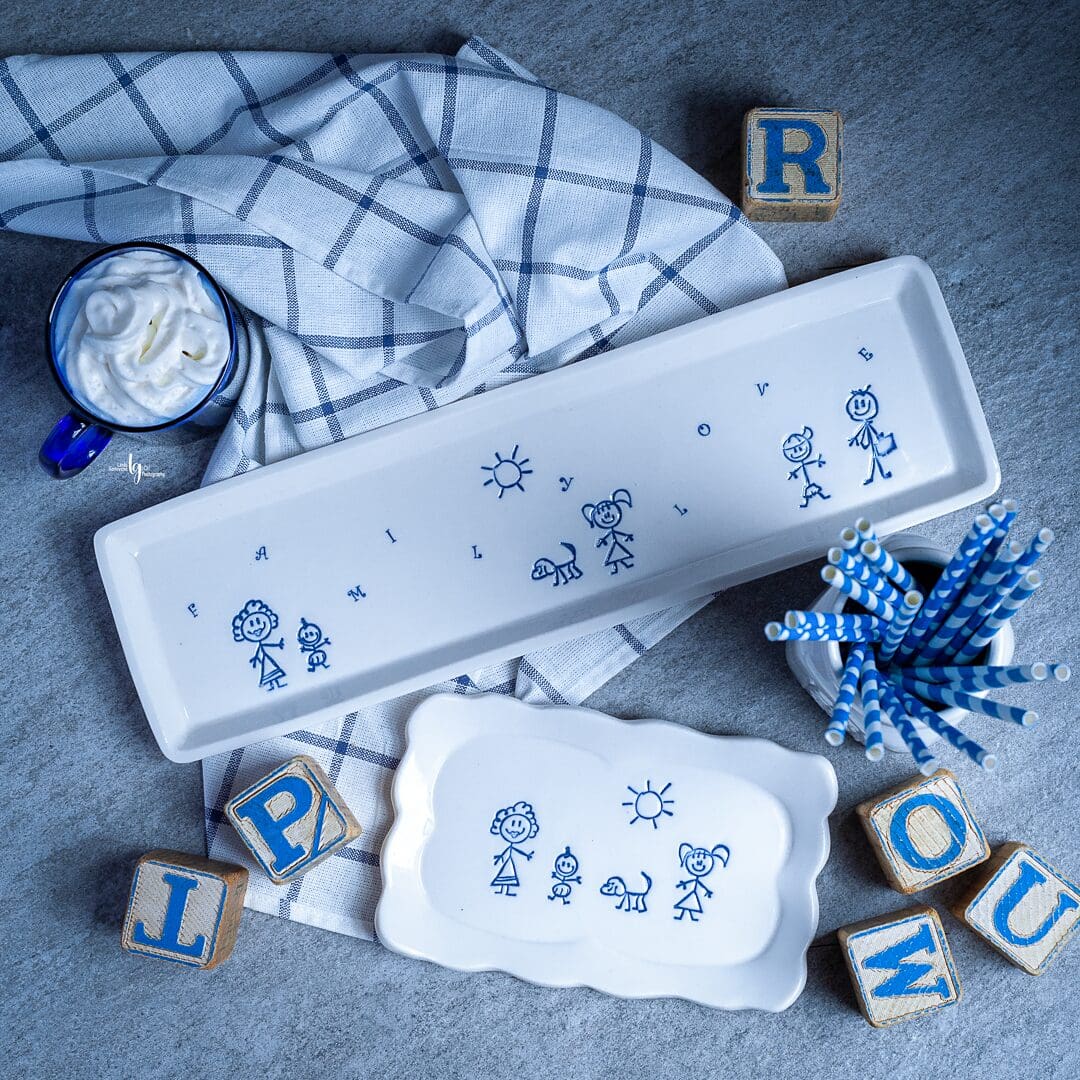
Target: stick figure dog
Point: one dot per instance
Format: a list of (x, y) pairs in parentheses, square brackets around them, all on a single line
[(628, 901), (562, 572)]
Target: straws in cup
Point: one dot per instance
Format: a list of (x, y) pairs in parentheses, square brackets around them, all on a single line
[(915, 652)]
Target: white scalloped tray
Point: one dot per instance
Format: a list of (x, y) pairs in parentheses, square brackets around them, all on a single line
[(640, 858)]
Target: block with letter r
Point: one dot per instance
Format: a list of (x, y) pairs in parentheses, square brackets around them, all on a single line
[(184, 908), (900, 965), (791, 164), (923, 831), (1022, 906), (292, 819)]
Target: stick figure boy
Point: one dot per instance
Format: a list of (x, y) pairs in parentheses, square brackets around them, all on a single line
[(797, 449)]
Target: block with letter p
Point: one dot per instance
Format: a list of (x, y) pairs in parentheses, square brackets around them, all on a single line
[(1022, 906), (923, 831), (292, 819), (791, 164), (900, 965), (184, 908)]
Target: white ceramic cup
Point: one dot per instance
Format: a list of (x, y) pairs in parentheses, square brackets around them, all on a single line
[(817, 664)]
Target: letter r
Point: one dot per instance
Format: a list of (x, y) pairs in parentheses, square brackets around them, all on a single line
[(271, 827), (776, 157)]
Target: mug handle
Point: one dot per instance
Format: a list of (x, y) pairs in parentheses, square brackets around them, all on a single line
[(72, 444)]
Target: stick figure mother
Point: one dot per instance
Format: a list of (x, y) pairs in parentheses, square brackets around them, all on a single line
[(255, 622), (514, 824)]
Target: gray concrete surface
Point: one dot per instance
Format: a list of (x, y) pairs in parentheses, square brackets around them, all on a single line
[(954, 153)]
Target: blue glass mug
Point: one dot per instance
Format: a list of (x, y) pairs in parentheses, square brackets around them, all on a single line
[(80, 436)]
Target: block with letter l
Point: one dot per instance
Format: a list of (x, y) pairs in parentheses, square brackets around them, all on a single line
[(900, 965), (292, 819), (1022, 906), (184, 908), (791, 164), (923, 831)]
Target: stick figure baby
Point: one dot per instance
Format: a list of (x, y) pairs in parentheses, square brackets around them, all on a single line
[(606, 515), (312, 641), (699, 863), (514, 824), (564, 873), (862, 407), (255, 622), (797, 449)]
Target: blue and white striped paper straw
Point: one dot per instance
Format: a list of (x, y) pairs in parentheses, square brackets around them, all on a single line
[(859, 593), (865, 528), (775, 631), (923, 758), (989, 676), (1034, 550), (946, 695), (984, 634), (953, 735), (873, 551), (871, 704), (956, 629), (952, 581), (849, 538), (895, 631), (858, 569), (1004, 514), (845, 696), (869, 624)]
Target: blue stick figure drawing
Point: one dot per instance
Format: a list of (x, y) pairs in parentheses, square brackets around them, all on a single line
[(862, 407), (255, 622), (698, 863), (606, 515), (311, 641), (797, 449), (514, 824), (564, 873)]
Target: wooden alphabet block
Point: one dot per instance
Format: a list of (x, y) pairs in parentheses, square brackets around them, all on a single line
[(923, 832), (184, 908), (900, 965), (292, 819), (791, 164), (1022, 906)]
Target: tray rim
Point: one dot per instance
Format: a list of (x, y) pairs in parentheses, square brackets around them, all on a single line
[(813, 847)]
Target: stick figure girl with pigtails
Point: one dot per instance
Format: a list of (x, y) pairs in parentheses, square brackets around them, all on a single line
[(607, 515)]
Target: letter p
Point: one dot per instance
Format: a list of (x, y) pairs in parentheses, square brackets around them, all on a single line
[(272, 810)]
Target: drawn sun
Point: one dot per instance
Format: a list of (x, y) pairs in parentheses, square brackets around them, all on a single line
[(649, 805), (507, 472)]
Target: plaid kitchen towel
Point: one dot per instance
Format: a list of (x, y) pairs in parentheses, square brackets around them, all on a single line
[(400, 232)]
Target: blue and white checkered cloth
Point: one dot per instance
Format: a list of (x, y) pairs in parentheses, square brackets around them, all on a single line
[(400, 232)]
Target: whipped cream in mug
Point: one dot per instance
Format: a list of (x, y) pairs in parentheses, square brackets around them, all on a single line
[(142, 339)]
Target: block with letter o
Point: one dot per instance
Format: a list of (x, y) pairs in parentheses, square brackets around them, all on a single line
[(923, 832)]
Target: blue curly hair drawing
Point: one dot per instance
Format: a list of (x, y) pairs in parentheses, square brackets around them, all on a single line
[(510, 820), (254, 622)]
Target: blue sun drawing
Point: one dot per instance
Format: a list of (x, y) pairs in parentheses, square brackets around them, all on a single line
[(507, 472), (649, 805)]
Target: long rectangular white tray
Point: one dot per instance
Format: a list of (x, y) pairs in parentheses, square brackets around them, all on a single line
[(656, 473)]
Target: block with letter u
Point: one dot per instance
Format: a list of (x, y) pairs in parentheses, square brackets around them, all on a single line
[(1022, 906), (292, 819)]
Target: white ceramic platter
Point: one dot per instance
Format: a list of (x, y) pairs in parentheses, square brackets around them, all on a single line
[(640, 858), (693, 460)]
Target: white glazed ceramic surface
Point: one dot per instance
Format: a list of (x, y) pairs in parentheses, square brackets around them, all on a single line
[(649, 475), (817, 665), (664, 862)]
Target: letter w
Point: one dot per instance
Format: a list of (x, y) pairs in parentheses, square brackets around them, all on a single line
[(902, 982)]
